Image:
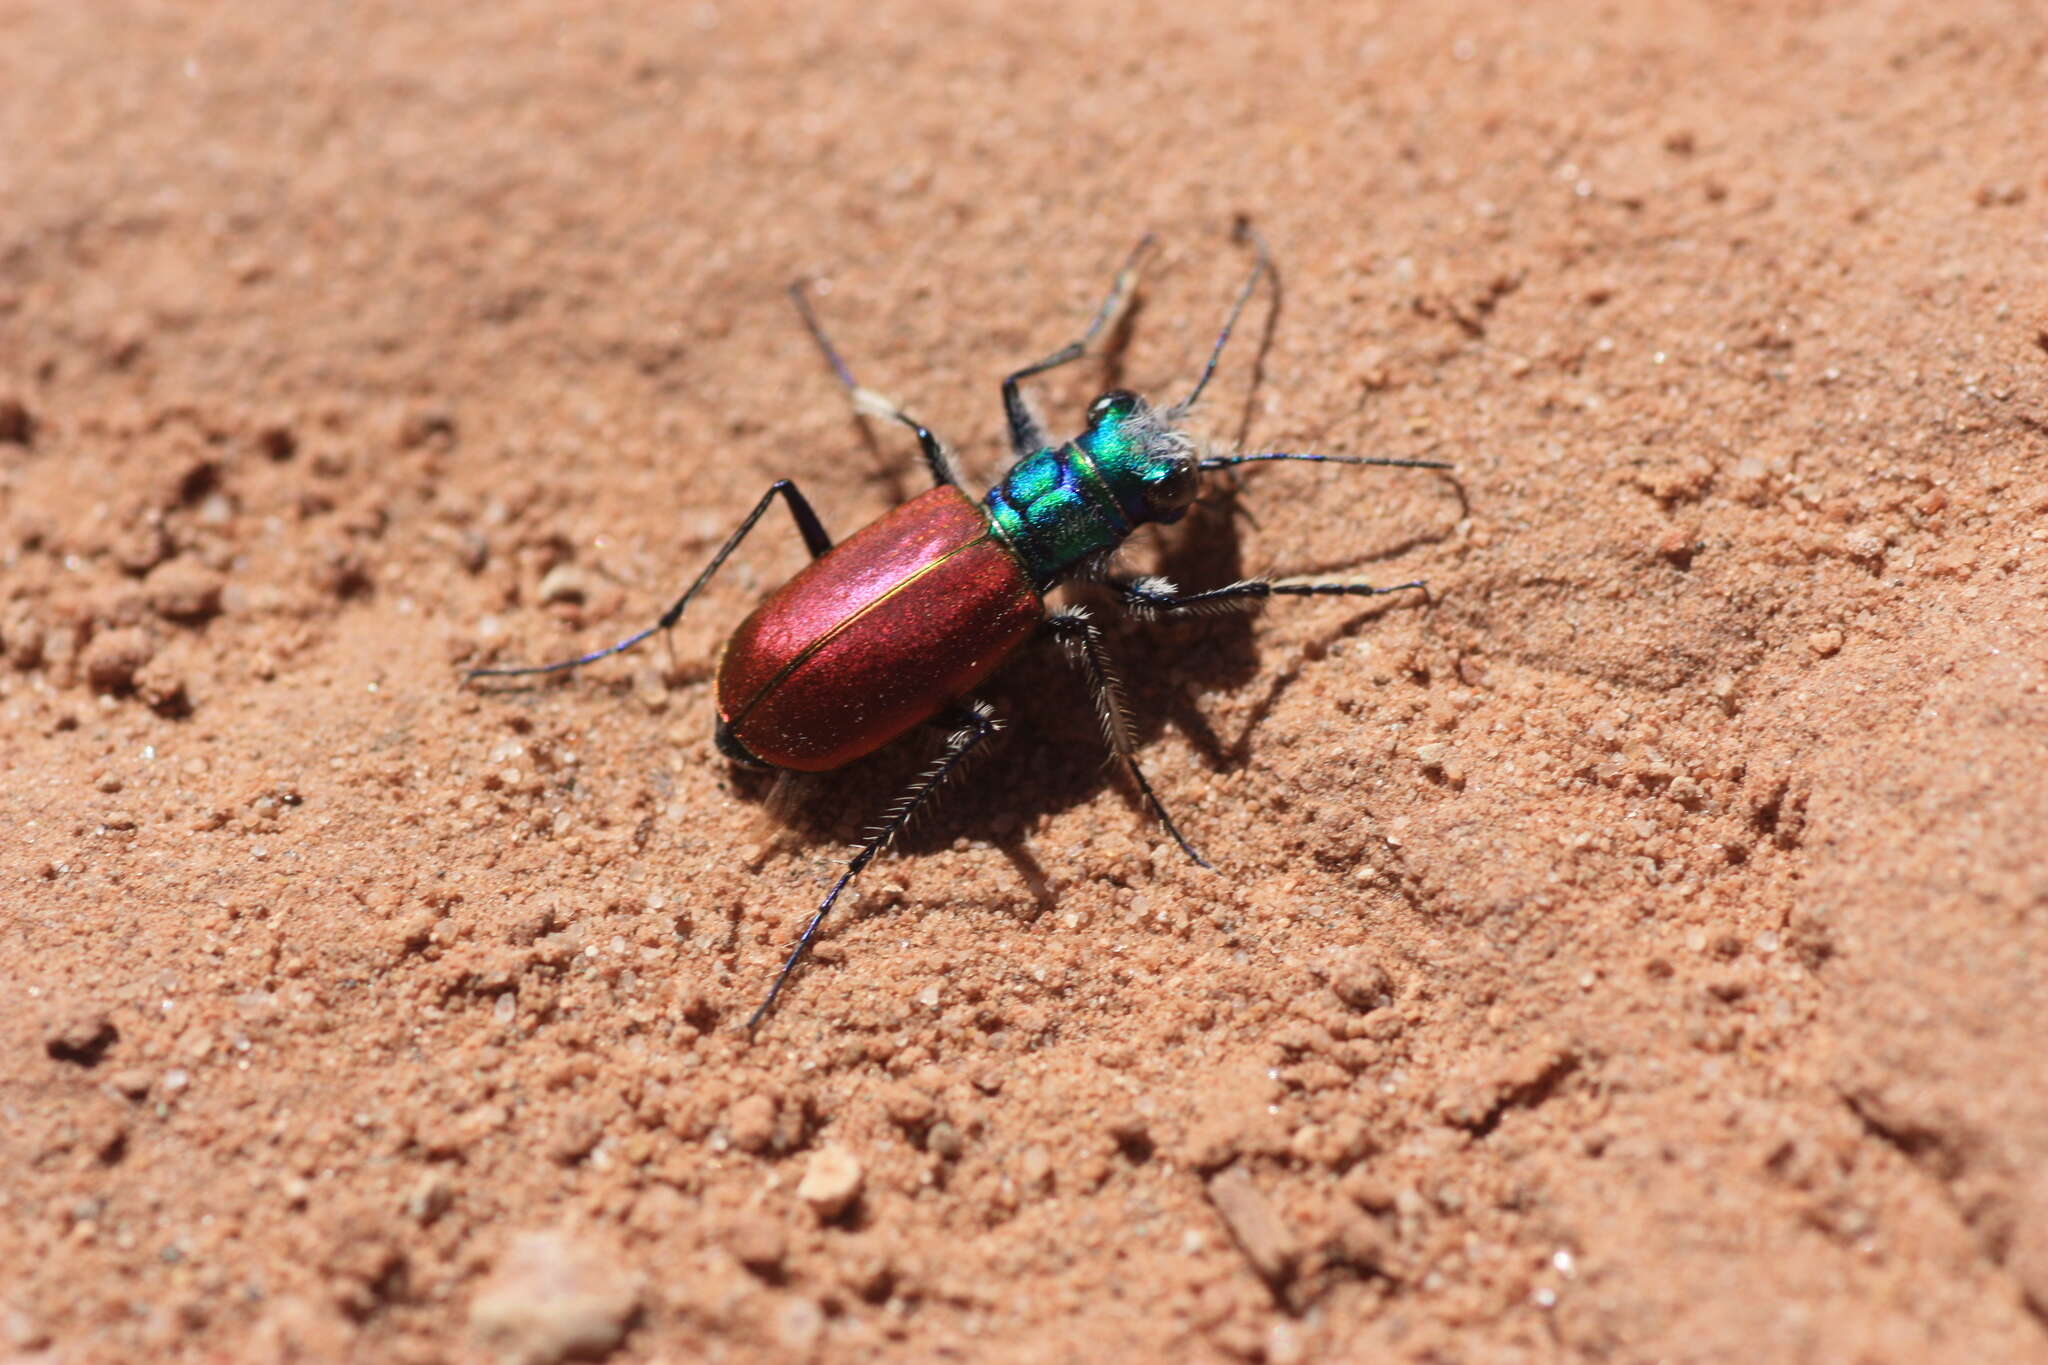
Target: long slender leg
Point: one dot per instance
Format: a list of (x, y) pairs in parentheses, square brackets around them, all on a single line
[(869, 403), (807, 525), (1026, 436), (1082, 639), (977, 724), (1262, 264), (1155, 597)]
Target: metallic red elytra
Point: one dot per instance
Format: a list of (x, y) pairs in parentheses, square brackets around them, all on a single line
[(901, 623), (874, 638)]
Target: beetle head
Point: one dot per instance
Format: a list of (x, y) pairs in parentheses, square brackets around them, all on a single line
[(1148, 463)]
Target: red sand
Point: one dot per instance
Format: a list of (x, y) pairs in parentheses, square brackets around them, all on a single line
[(1634, 953)]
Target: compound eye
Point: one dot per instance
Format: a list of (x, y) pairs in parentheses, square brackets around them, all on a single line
[(1117, 403), (1174, 490)]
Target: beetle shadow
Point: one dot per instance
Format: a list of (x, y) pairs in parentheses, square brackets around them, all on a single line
[(1171, 665), (1052, 756)]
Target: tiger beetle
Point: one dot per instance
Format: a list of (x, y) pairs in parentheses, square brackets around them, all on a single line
[(900, 623)]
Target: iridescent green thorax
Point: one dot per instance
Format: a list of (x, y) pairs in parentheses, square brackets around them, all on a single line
[(1059, 509)]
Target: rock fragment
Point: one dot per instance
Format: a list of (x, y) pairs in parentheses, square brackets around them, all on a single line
[(1265, 1240), (564, 583), (577, 1134), (554, 1297), (133, 1082), (832, 1181), (430, 1198)]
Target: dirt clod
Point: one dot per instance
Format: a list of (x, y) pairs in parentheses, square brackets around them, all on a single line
[(751, 1123), (184, 591), (114, 658), (1360, 981)]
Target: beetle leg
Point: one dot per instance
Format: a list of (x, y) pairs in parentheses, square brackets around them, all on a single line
[(1151, 597), (868, 403), (807, 524), (1262, 264), (978, 724), (1026, 436), (1082, 639)]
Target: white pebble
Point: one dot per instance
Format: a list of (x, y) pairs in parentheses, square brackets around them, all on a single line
[(831, 1181)]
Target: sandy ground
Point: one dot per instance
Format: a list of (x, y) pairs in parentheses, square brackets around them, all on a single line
[(1636, 952)]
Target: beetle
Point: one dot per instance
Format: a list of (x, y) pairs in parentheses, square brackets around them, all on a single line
[(897, 625)]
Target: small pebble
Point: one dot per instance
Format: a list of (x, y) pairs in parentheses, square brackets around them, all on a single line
[(184, 590), (1360, 981), (564, 583), (24, 639), (430, 1198), (1265, 1240), (831, 1182), (944, 1141), (908, 1107), (141, 548), (553, 1297), (114, 658), (132, 1082), (751, 1123), (576, 1134)]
